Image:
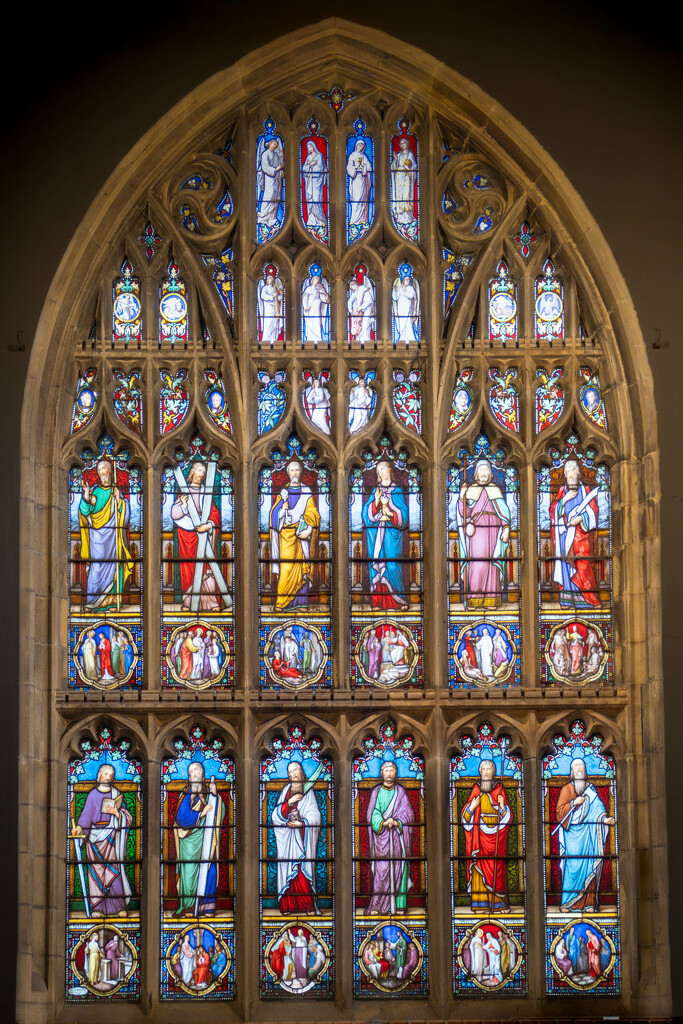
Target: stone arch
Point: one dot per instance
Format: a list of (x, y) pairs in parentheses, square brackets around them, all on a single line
[(608, 311)]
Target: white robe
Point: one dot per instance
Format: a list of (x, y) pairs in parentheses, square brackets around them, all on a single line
[(269, 176), (317, 405), (406, 309), (360, 403), (359, 172), (314, 173), (315, 302), (296, 848), (271, 310)]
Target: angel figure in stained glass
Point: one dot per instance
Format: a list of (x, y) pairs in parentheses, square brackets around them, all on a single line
[(405, 304)]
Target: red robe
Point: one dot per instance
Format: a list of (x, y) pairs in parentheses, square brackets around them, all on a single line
[(583, 575), (188, 541), (298, 897), (104, 647), (484, 847), (202, 972)]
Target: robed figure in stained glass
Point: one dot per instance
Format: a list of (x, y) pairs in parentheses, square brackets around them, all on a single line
[(390, 818), (198, 820), (574, 518), (385, 521), (294, 525), (296, 821), (486, 820), (197, 529), (483, 521), (104, 824), (583, 826), (104, 518)]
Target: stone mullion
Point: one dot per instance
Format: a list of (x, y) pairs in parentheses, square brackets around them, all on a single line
[(439, 912), (534, 870), (151, 878), (343, 875)]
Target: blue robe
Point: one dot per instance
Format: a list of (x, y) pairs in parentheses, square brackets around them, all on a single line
[(384, 540)]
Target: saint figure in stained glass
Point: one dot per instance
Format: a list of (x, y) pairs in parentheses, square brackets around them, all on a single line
[(317, 399), (361, 306), (404, 182), (581, 866), (103, 872), (197, 870), (360, 202), (405, 306), (483, 521), (314, 183), (390, 940), (297, 926), (271, 306), (362, 400), (488, 866), (270, 182), (294, 524), (315, 307), (104, 518), (574, 519)]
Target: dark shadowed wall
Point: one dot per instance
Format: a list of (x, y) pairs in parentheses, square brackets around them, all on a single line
[(599, 90)]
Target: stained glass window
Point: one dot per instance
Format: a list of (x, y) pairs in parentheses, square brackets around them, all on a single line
[(484, 578), (174, 399), (104, 868), (575, 567), (216, 401), (85, 402), (407, 399), (361, 304), (270, 306), (389, 869), (405, 182), (362, 399), (315, 308), (126, 307), (317, 400), (581, 866), (463, 399), (296, 874), (503, 397), (270, 182), (128, 398), (502, 305), (198, 855), (360, 182), (549, 397), (222, 277), (405, 307), (488, 867), (173, 309), (591, 400), (295, 556), (314, 183), (271, 399), (549, 305), (105, 570), (453, 276), (197, 508), (385, 555)]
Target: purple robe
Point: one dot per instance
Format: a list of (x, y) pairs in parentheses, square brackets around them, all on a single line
[(104, 852), (390, 850)]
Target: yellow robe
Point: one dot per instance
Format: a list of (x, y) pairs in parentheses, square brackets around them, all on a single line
[(295, 568)]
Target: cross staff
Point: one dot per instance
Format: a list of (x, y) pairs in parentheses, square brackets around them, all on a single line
[(204, 546)]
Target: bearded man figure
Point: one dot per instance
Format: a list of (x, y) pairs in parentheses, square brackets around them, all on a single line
[(198, 821), (583, 826), (486, 819), (296, 823)]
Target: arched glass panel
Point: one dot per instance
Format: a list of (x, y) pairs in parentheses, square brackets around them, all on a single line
[(581, 866), (488, 867), (389, 869), (198, 870), (295, 556), (297, 869), (105, 570), (104, 867)]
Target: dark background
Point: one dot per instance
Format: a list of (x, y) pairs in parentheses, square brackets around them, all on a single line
[(598, 85)]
